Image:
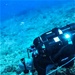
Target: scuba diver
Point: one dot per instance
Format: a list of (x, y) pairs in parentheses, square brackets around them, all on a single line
[(55, 48)]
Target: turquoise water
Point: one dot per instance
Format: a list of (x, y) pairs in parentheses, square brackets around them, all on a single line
[(22, 21), (10, 8)]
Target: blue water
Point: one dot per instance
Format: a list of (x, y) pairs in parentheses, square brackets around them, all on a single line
[(11, 8)]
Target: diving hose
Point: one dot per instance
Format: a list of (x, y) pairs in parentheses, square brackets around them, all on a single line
[(61, 66)]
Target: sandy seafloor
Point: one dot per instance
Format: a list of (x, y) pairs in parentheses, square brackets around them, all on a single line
[(18, 33)]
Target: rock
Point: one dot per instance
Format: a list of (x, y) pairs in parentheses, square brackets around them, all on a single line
[(9, 69)]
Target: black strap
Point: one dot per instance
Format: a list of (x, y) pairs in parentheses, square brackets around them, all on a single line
[(23, 61)]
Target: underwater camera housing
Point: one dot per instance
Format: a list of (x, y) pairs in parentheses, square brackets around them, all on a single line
[(53, 47), (54, 39)]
